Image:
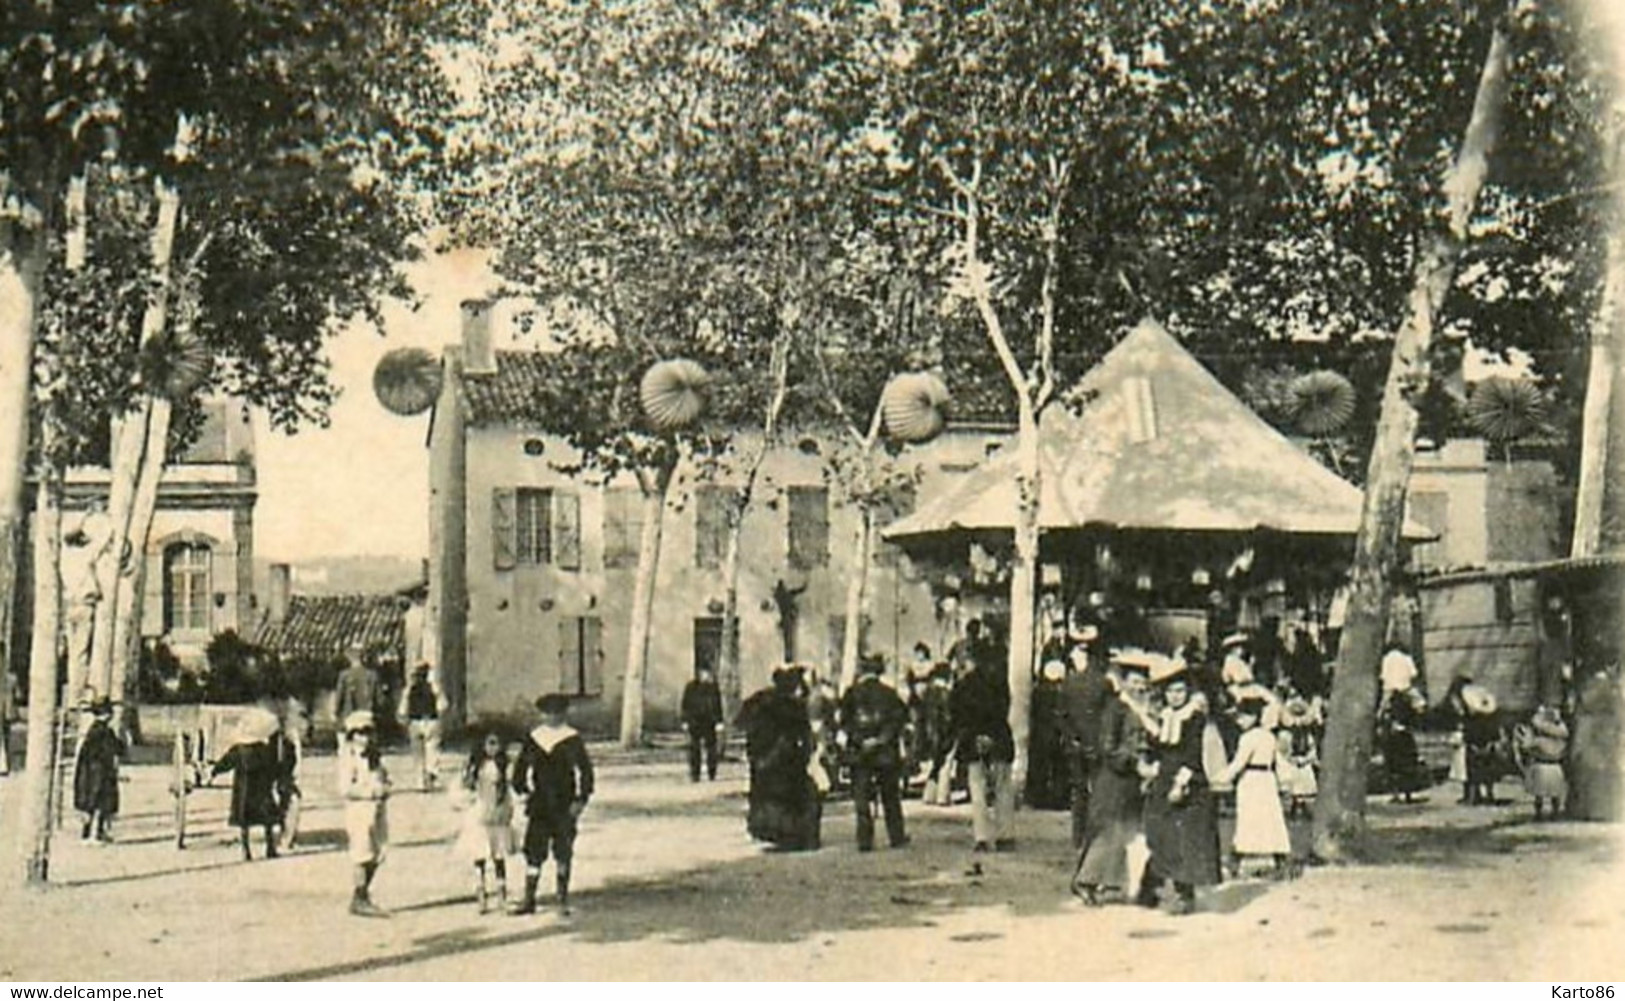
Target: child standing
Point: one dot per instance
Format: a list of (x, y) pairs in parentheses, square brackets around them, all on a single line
[(364, 786), (487, 833), (555, 773), (1260, 827)]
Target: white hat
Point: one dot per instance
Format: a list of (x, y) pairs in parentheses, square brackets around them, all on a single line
[(1478, 700), (1164, 669), (1134, 658), (1234, 639), (360, 719)]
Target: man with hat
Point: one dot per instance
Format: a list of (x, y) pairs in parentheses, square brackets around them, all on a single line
[(1083, 699), (872, 722), (979, 711), (555, 773), (422, 711), (702, 721)]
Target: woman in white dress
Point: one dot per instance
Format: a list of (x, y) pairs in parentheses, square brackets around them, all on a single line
[(1260, 825)]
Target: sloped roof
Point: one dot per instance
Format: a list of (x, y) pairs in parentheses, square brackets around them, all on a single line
[(327, 626), (510, 394), (1159, 444)]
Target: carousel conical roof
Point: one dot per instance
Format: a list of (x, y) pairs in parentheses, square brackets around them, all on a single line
[(1160, 443)]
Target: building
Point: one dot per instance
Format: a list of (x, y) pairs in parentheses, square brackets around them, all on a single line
[(1486, 511), (532, 569)]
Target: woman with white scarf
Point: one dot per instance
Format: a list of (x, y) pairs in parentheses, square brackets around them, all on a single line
[(1181, 819)]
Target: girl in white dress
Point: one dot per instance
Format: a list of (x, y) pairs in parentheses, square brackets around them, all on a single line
[(487, 830), (1260, 825)]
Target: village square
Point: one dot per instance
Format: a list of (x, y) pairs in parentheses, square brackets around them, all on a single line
[(638, 489)]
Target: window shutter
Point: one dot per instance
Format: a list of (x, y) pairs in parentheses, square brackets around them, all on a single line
[(808, 542), (710, 526), (623, 526), (504, 541), (592, 655), (567, 529), (569, 667)]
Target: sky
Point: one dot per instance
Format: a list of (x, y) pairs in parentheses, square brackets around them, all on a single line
[(361, 485)]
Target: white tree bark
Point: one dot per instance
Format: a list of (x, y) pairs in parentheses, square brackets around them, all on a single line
[(1607, 342), (34, 826), (656, 485)]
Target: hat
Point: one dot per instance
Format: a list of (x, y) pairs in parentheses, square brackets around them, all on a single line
[(1133, 659), (1478, 700), (1085, 634), (1166, 669), (360, 719), (422, 668), (1234, 639), (257, 725), (1251, 705), (872, 663), (553, 704), (1296, 712), (102, 707)]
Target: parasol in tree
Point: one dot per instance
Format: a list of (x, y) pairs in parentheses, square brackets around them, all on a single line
[(673, 393), (914, 407), (407, 381), (1321, 402), (175, 363), (1506, 410)]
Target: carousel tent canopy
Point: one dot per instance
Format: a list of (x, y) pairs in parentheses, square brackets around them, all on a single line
[(1159, 444)]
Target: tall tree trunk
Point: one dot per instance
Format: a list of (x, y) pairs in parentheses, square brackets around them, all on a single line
[(857, 583), (132, 437), (127, 617), (656, 485), (22, 265), (39, 782), (728, 673), (1340, 807), (1607, 348), (1023, 591)]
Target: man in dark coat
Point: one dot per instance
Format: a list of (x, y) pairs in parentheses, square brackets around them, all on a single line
[(95, 776), (702, 721), (555, 773), (1083, 699), (872, 720), (979, 710)]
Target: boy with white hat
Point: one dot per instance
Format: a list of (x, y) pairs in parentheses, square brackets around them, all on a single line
[(364, 785)]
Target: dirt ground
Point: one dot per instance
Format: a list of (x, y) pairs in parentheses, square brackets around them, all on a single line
[(670, 888)]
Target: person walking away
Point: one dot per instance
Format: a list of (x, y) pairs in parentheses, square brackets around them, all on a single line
[(1083, 699), (486, 835), (1403, 767), (556, 775), (1398, 673), (1181, 822), (1260, 825), (872, 721), (701, 711), (1126, 724), (253, 781), (364, 787), (1542, 744), (979, 709), (938, 730), (95, 774), (1594, 750), (422, 711), (358, 689)]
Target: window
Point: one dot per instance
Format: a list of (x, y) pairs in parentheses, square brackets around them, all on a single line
[(533, 525), (623, 526), (581, 655), (808, 542), (187, 587), (708, 643), (710, 526)]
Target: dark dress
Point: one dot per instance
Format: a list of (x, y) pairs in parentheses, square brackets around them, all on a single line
[(253, 784), (1047, 786), (1594, 749), (784, 806), (1183, 837), (95, 777), (1115, 801), (1403, 769)]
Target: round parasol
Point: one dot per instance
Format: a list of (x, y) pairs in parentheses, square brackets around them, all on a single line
[(173, 364), (407, 381), (673, 393), (1322, 402), (914, 406), (1478, 700), (1504, 410)]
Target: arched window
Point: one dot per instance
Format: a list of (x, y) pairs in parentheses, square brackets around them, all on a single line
[(187, 587)]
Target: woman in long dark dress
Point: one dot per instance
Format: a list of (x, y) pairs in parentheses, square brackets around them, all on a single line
[(1181, 818), (784, 809), (253, 765), (95, 774), (1115, 801)]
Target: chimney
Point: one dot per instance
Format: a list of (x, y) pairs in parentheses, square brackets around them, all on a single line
[(276, 603), (479, 354)]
